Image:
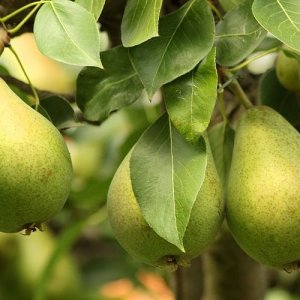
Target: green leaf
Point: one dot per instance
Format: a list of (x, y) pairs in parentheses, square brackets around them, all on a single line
[(93, 6), (273, 94), (221, 138), (190, 99), (167, 173), (68, 33), (60, 111), (186, 37), (230, 4), (237, 35), (140, 21), (99, 92), (281, 18)]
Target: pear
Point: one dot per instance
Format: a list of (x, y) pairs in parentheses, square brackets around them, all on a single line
[(135, 235), (35, 166), (263, 191), (288, 72)]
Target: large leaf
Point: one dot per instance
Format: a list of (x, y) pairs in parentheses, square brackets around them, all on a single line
[(281, 18), (99, 92), (140, 21), (93, 6), (190, 99), (67, 32), (273, 94), (186, 36), (237, 35), (221, 138), (167, 173), (230, 4)]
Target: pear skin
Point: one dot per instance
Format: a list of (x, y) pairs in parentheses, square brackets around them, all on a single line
[(139, 240), (263, 191), (35, 165)]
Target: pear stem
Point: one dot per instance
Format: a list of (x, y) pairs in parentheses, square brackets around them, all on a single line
[(14, 13), (237, 90), (221, 103), (215, 10), (34, 92), (246, 62), (28, 16)]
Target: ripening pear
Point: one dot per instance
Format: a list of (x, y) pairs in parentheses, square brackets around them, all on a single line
[(288, 72), (35, 165), (263, 192), (139, 240)]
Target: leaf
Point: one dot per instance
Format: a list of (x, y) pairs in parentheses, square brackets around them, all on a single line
[(60, 111), (61, 36), (99, 92), (190, 99), (281, 18), (230, 4), (221, 138), (237, 35), (186, 36), (273, 94), (93, 6), (140, 21), (167, 173)]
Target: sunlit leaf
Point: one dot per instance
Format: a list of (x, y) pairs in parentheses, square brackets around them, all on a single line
[(281, 18), (68, 33), (190, 99), (167, 173), (93, 6), (140, 21), (186, 37)]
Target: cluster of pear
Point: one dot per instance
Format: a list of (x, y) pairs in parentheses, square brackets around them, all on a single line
[(35, 166), (262, 200)]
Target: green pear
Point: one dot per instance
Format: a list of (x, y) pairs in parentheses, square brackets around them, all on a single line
[(135, 235), (288, 72), (263, 191), (35, 166)]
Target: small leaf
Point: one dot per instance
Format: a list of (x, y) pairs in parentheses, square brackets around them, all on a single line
[(186, 37), (273, 94), (60, 111), (167, 173), (68, 33), (99, 92), (281, 18), (221, 138), (190, 99), (140, 21), (237, 35), (93, 6)]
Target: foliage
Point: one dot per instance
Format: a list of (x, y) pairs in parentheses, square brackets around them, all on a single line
[(171, 84)]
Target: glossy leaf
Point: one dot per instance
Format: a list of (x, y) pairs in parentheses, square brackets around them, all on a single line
[(237, 35), (281, 18), (99, 92), (167, 173), (60, 111), (60, 35), (273, 94), (140, 21), (221, 138), (190, 99), (186, 37), (93, 6)]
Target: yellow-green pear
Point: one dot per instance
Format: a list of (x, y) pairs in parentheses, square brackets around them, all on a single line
[(35, 165), (288, 72), (139, 240), (263, 192)]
